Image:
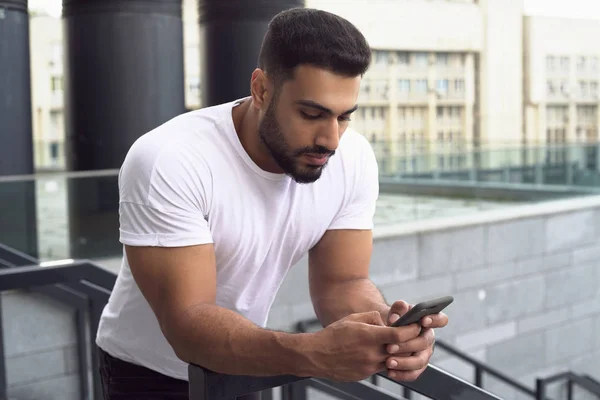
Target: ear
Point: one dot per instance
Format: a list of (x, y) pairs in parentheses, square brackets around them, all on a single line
[(261, 89)]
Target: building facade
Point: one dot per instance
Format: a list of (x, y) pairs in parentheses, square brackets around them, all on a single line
[(562, 74), (446, 76)]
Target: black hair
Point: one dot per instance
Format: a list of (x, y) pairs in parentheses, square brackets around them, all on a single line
[(305, 36)]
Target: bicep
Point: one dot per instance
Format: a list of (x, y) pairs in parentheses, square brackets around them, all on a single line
[(173, 279), (340, 256)]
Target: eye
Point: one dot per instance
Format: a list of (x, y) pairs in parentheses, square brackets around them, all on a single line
[(345, 118), (310, 116)]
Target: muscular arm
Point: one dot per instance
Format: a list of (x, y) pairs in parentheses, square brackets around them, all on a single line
[(339, 276), (180, 286)]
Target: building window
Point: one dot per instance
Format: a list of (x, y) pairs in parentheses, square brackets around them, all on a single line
[(404, 86), (421, 59), (564, 88), (403, 58), (56, 83), (551, 89), (564, 64), (421, 86), (442, 86), (550, 63), (582, 64), (594, 64), (594, 88), (459, 85), (583, 88), (442, 59), (382, 57)]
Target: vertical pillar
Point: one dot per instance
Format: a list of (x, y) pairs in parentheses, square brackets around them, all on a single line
[(16, 152), (232, 32), (124, 76)]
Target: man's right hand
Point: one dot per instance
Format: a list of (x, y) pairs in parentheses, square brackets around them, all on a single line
[(354, 348)]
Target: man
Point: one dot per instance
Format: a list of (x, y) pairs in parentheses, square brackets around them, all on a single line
[(218, 204)]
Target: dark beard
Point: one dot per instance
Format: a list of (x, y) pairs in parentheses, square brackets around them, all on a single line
[(287, 159)]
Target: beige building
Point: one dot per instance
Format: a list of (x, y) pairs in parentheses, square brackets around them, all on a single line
[(562, 74), (445, 74)]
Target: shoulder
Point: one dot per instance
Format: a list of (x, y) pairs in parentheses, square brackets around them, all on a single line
[(355, 151), (173, 154)]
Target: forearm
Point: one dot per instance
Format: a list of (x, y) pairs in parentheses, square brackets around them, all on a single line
[(225, 342), (343, 299)]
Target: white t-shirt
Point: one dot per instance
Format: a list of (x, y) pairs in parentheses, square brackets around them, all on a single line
[(191, 182)]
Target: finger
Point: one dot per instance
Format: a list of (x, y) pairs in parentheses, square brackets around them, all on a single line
[(370, 317), (415, 362), (390, 335), (438, 320), (420, 343), (398, 309), (405, 376)]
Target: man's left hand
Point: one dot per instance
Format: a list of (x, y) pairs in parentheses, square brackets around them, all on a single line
[(408, 360)]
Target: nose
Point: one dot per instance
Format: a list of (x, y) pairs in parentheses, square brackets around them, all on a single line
[(329, 134)]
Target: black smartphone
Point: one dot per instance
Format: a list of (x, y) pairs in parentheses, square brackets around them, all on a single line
[(423, 309)]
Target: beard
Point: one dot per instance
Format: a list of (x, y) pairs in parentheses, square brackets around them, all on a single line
[(287, 158)]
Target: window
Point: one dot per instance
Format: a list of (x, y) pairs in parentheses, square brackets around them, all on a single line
[(581, 64), (442, 86), (459, 85), (442, 59), (583, 88), (194, 86), (421, 59), (421, 86), (382, 57), (594, 88), (56, 83), (550, 88), (56, 57), (564, 64), (564, 88), (594, 64), (404, 86), (550, 63), (381, 89), (403, 58)]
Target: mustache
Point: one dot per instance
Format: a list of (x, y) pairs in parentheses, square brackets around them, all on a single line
[(315, 150)]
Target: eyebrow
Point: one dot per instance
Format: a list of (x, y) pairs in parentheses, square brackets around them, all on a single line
[(312, 104)]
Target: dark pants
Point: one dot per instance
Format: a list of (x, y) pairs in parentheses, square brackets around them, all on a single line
[(122, 380)]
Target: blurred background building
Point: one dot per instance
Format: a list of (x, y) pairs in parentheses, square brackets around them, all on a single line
[(484, 118)]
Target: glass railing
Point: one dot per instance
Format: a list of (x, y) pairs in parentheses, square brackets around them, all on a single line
[(75, 215), (572, 165)]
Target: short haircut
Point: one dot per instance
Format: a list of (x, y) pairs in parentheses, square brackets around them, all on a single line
[(305, 36)]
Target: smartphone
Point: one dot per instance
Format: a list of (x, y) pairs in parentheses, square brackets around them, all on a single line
[(423, 309)]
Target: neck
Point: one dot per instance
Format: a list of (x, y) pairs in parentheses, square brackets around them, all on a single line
[(246, 122)]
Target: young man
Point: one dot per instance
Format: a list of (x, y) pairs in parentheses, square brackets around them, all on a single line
[(218, 204)]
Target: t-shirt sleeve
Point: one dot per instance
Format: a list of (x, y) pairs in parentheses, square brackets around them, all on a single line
[(164, 198), (358, 210)]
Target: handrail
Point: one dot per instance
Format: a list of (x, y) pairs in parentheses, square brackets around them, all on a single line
[(589, 384), (303, 326), (87, 289)]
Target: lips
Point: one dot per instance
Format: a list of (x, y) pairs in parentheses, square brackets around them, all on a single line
[(317, 159)]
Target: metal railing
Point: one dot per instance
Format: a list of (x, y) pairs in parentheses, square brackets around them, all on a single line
[(479, 369), (434, 383), (80, 284)]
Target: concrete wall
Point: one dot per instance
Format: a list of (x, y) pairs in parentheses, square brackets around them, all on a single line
[(526, 282)]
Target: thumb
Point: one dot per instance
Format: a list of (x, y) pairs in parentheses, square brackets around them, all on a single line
[(398, 309)]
